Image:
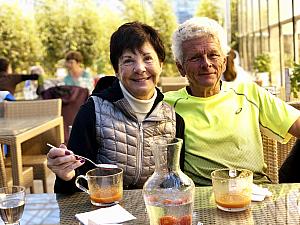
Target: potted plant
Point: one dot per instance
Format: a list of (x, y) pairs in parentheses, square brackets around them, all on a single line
[(262, 66), (295, 80)]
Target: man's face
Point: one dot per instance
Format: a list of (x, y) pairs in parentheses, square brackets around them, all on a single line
[(203, 64)]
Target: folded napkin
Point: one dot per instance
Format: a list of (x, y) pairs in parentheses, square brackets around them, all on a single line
[(105, 216), (259, 193)]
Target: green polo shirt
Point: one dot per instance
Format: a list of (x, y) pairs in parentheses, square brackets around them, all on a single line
[(223, 131)]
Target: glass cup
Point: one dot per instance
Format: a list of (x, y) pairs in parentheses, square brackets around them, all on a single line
[(12, 201), (232, 189), (105, 185)]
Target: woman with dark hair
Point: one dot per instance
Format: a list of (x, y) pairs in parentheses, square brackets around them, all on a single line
[(230, 72), (234, 72), (118, 123)]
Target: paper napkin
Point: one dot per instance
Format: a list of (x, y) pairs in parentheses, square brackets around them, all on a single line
[(105, 216), (259, 193)]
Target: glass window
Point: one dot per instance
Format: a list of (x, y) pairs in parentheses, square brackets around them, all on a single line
[(249, 16), (265, 41), (275, 66), (285, 7), (242, 18), (243, 52), (264, 13), (256, 15), (256, 44), (288, 46), (296, 7), (297, 41), (250, 46), (273, 12)]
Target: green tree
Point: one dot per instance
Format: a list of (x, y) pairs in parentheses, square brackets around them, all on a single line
[(211, 9), (165, 22), (86, 30), (75, 25), (135, 11), (18, 40), (55, 30), (110, 21), (234, 24)]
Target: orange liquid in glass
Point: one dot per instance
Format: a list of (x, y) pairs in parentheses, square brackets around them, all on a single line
[(107, 195), (233, 201)]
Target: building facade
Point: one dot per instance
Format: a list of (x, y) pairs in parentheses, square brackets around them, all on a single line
[(270, 26)]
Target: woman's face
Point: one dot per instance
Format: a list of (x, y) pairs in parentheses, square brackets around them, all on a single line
[(72, 65), (139, 71)]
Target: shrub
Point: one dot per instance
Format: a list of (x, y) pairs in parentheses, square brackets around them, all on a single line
[(262, 62)]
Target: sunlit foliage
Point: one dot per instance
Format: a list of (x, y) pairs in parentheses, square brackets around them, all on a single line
[(212, 9), (19, 41), (165, 22), (57, 26)]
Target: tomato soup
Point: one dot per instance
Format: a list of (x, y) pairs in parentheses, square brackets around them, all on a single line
[(107, 195), (233, 200)]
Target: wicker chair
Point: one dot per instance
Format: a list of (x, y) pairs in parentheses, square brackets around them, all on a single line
[(36, 108), (6, 178), (72, 98), (270, 157), (30, 157), (39, 165), (284, 149), (276, 153)]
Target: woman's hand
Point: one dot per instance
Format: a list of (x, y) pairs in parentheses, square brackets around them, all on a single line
[(62, 162)]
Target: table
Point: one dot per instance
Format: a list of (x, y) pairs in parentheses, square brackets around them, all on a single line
[(15, 131), (282, 208)]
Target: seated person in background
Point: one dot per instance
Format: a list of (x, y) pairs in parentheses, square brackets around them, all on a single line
[(234, 72), (118, 123), (222, 119), (40, 71), (77, 76), (8, 80)]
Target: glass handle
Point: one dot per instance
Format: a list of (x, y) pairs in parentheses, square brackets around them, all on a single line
[(79, 185)]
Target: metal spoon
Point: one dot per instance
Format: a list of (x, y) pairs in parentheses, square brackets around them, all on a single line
[(232, 173), (102, 165)]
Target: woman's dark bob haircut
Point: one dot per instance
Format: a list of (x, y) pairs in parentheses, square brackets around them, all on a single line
[(132, 36)]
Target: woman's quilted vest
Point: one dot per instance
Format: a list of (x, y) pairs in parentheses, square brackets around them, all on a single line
[(126, 142)]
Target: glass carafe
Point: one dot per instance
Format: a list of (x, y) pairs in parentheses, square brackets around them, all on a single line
[(168, 193)]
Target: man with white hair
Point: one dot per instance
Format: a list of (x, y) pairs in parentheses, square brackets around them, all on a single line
[(222, 119)]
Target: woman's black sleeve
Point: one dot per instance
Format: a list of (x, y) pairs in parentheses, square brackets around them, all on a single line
[(82, 142), (180, 134)]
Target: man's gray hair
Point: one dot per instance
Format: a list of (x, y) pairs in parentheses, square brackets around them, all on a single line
[(195, 28)]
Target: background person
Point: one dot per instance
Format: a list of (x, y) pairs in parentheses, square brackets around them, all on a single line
[(40, 71), (77, 76), (117, 124), (222, 119), (234, 72), (9, 80)]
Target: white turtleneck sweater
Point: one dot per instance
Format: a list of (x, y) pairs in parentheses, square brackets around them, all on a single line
[(140, 107)]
